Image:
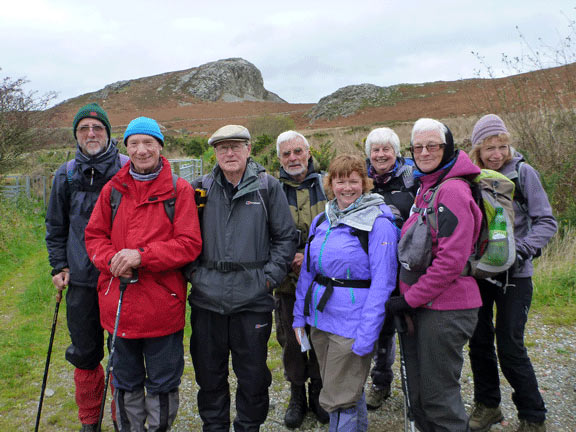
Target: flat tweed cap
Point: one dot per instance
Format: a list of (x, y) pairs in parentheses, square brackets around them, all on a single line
[(229, 133)]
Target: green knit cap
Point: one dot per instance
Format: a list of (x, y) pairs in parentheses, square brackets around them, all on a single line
[(92, 110)]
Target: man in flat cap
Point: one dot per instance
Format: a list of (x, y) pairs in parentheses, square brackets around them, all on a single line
[(77, 185), (248, 244)]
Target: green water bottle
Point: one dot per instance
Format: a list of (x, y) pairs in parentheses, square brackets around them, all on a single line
[(497, 253)]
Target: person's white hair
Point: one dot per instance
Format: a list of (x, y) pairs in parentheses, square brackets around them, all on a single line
[(382, 136), (289, 136), (428, 124)]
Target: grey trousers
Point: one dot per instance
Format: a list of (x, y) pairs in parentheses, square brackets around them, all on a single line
[(434, 359)]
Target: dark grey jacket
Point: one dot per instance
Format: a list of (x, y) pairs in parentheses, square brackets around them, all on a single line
[(243, 229), (71, 203)]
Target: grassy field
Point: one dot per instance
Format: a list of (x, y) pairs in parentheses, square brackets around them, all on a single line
[(27, 302)]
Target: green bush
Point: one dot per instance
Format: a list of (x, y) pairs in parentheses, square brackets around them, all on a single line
[(324, 154), (190, 146), (271, 125)]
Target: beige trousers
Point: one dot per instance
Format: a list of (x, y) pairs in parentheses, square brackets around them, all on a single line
[(343, 372)]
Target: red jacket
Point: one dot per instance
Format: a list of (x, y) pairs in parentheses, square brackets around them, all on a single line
[(155, 305)]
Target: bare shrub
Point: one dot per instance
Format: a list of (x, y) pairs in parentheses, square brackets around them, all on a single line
[(540, 111), (23, 125)]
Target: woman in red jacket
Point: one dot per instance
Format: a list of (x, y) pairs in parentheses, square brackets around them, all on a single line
[(141, 235)]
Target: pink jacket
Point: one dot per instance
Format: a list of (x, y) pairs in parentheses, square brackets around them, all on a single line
[(442, 287)]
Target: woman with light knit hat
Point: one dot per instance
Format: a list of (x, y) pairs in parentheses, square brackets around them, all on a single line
[(142, 234), (511, 292)]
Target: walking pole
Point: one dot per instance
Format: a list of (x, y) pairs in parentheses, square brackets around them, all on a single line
[(124, 282), (401, 327), (47, 366)]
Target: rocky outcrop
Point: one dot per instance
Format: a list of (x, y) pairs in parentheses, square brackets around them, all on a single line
[(348, 100), (229, 80)]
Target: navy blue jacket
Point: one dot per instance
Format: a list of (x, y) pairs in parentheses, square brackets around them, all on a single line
[(72, 200)]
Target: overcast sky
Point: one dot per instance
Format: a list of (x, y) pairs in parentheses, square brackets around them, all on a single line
[(304, 49)]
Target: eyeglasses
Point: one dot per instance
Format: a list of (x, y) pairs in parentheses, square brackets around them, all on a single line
[(223, 148), (430, 147), (297, 152), (96, 129)]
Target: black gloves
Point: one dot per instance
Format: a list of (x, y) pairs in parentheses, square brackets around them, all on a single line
[(396, 305)]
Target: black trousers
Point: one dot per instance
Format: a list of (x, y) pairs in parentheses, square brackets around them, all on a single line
[(83, 317), (382, 374), (245, 335), (512, 306), (298, 365)]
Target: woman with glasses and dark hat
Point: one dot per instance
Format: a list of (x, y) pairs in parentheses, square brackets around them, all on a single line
[(436, 295)]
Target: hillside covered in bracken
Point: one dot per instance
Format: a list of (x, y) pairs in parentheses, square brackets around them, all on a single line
[(200, 99)]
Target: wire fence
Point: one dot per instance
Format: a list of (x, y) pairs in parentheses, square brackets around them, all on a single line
[(38, 187)]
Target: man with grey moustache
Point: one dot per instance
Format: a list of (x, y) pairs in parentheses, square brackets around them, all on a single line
[(302, 184)]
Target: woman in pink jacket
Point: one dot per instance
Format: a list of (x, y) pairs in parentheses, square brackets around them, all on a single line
[(442, 301)]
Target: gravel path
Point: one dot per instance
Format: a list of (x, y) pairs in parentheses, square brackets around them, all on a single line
[(551, 348)]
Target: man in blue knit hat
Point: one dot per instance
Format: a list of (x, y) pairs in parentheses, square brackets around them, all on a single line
[(155, 231), (77, 185)]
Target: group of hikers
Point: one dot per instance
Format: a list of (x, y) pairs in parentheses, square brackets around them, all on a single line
[(339, 258)]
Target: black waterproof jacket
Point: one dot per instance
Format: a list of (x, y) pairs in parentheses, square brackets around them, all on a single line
[(72, 200)]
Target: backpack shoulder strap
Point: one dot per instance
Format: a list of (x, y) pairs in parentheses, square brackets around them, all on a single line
[(70, 167), (170, 203), (517, 178), (320, 219), (321, 183), (431, 216), (362, 237), (206, 182), (115, 198)]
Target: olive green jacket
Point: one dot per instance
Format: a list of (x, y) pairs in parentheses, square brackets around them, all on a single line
[(306, 200)]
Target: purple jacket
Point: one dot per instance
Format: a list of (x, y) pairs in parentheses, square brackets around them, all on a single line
[(532, 229), (442, 287), (356, 313)]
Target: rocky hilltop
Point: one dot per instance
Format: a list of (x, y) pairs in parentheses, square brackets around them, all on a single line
[(348, 100), (228, 80)]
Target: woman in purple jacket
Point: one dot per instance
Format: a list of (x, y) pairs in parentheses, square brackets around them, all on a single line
[(435, 290), (534, 225), (348, 273)]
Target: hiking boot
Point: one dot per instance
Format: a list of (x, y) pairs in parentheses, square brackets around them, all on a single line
[(526, 426), (296, 407), (376, 396), (89, 427), (314, 401), (484, 417)]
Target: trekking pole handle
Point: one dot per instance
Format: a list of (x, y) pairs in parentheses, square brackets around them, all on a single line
[(400, 323), (124, 281)]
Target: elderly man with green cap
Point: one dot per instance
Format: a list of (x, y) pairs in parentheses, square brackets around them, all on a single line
[(77, 185), (249, 240)]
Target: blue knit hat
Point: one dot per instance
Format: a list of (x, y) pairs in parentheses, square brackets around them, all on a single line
[(144, 126)]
